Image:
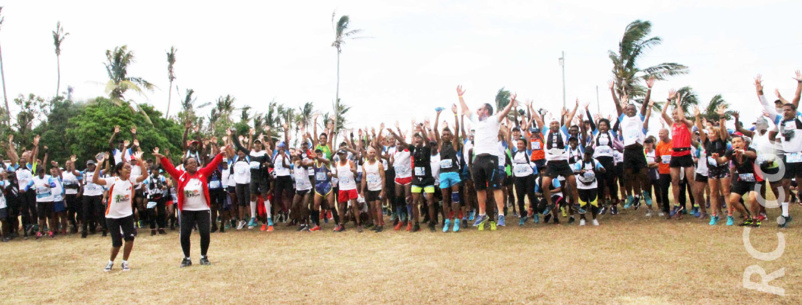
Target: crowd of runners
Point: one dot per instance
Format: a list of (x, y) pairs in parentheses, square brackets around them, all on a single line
[(468, 169)]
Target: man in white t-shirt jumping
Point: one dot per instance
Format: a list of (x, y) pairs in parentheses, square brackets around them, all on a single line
[(486, 172)]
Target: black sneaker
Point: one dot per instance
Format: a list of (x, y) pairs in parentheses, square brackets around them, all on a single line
[(571, 220), (431, 227), (547, 218), (204, 261), (602, 210), (379, 229), (152, 232), (416, 227), (636, 204), (186, 262), (214, 229), (161, 232), (83, 234), (105, 232), (614, 210)]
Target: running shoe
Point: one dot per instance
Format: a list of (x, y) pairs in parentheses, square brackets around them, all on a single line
[(415, 228), (108, 266), (240, 225), (546, 219), (471, 216), (522, 221), (582, 222), (536, 218), (756, 223), (162, 232), (713, 220), (649, 213), (83, 234), (252, 223), (315, 229), (782, 221), (677, 209), (186, 262), (515, 214), (747, 222), (660, 213), (125, 266), (432, 226), (647, 198), (379, 229), (492, 226), (761, 216), (595, 222), (339, 228), (481, 226), (571, 220), (456, 226), (398, 226), (602, 210), (264, 228), (269, 228), (629, 202), (636, 203), (547, 210), (303, 228), (614, 210), (447, 224), (730, 221), (464, 223), (696, 212), (359, 229), (204, 261), (564, 211), (38, 235), (409, 226), (501, 221), (50, 234), (152, 232), (480, 220)]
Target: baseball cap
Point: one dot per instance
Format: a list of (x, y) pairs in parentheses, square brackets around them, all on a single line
[(90, 162)]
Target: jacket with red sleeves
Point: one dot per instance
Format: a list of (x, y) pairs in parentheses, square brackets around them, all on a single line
[(183, 177)]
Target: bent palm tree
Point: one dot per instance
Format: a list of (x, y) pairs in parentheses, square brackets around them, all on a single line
[(627, 74), (118, 61), (171, 76), (58, 38), (341, 34), (3, 78)]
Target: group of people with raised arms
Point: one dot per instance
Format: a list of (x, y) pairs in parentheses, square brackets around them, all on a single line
[(539, 166)]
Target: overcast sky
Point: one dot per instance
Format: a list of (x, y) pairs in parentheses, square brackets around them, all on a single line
[(413, 56)]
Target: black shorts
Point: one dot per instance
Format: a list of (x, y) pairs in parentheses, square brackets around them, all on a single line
[(792, 170), (372, 196), (682, 161), (741, 187), (3, 214), (126, 224), (485, 172), (634, 158), (259, 186), (283, 185), (718, 172), (540, 164), (45, 209), (243, 195), (588, 196), (700, 178), (302, 192), (771, 174), (558, 168), (231, 189), (507, 179)]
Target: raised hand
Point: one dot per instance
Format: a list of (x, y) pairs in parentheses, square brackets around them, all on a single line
[(214, 139), (721, 110), (736, 115), (36, 140), (10, 138), (187, 124), (611, 84), (133, 129), (73, 159), (116, 129), (126, 143), (696, 111), (136, 143), (460, 91), (251, 132), (798, 76), (766, 114), (514, 100), (672, 94), (650, 82), (759, 83), (53, 163), (138, 156), (100, 157), (454, 108), (156, 153), (228, 132), (196, 129)]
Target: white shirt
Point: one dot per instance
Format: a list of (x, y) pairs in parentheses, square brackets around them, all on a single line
[(121, 192), (194, 200), (301, 176), (402, 163), (373, 178), (521, 166), (91, 189), (279, 167), (24, 177), (242, 172), (345, 176), (485, 135), (435, 165), (57, 191), (67, 178), (632, 128), (136, 172), (42, 186)]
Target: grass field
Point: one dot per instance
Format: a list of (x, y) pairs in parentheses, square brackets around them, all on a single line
[(629, 259)]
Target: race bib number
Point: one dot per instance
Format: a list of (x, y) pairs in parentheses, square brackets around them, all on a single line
[(41, 190), (633, 135), (374, 178), (603, 150), (256, 165), (712, 161), (346, 180), (793, 157), (420, 171), (556, 151), (535, 145), (748, 177), (665, 159), (522, 169), (321, 176), (214, 184), (151, 204), (446, 163)]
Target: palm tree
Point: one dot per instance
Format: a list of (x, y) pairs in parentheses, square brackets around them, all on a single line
[(689, 98), (58, 38), (171, 76), (710, 112), (188, 107), (3, 78), (627, 74), (305, 114), (341, 33), (118, 61)]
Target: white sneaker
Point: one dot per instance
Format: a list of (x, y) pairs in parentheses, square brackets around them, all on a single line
[(108, 266), (661, 214), (581, 222), (240, 225), (649, 213), (595, 222), (125, 266)]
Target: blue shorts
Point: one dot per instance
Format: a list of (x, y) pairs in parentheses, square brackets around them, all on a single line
[(323, 189), (58, 206), (449, 179)]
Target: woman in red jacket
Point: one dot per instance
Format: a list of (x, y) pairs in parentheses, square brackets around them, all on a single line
[(193, 200)]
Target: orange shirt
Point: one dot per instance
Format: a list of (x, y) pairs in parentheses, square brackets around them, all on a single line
[(663, 155), (536, 145)]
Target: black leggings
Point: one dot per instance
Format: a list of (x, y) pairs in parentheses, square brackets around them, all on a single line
[(665, 183), (126, 225), (28, 208), (157, 215), (243, 194), (525, 186), (93, 211), (188, 220)]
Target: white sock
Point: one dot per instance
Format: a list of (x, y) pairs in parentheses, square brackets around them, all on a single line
[(188, 258), (501, 213), (125, 261), (111, 262), (785, 208), (267, 209), (253, 209)]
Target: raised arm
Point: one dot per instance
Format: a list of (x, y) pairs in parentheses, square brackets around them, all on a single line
[(702, 132), (672, 94), (738, 127), (617, 103), (12, 151), (590, 118), (649, 84), (232, 135), (722, 124), (166, 164), (762, 98), (465, 109), (503, 114), (113, 135), (436, 126), (96, 177), (798, 79), (571, 114), (454, 139), (397, 137)]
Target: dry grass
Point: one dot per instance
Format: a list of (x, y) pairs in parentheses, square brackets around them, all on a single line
[(629, 259)]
